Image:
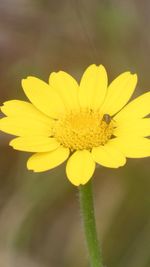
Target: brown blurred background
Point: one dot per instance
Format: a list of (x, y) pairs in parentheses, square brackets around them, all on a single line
[(39, 213)]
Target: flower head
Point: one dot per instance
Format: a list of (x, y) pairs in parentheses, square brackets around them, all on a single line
[(86, 124)]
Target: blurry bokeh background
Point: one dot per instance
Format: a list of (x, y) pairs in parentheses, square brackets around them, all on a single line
[(39, 213)]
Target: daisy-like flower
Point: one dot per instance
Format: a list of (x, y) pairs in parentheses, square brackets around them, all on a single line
[(87, 124)]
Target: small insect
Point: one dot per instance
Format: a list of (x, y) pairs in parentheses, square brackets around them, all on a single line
[(107, 118)]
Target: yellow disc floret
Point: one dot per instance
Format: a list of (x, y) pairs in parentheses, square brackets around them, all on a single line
[(84, 129)]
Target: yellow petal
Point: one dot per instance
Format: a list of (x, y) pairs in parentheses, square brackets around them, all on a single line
[(93, 87), (138, 108), (25, 126), (23, 108), (40, 162), (80, 167), (119, 92), (34, 144), (43, 97), (133, 146), (67, 88), (136, 127), (109, 156)]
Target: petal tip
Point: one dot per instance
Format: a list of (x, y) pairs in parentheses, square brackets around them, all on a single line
[(2, 107), (11, 143), (135, 76), (101, 66), (30, 168), (23, 82)]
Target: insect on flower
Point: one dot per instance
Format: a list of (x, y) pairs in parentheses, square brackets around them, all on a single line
[(107, 118)]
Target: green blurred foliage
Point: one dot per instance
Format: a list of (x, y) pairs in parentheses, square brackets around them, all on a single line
[(39, 213)]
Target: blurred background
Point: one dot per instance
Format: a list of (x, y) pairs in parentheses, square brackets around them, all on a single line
[(39, 213)]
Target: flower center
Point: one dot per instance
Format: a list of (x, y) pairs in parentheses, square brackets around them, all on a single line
[(83, 130)]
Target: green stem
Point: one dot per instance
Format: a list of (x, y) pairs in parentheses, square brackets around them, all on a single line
[(87, 213)]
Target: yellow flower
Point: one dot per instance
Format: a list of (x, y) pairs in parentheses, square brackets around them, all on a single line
[(87, 123)]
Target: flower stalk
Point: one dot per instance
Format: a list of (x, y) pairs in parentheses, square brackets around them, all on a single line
[(88, 217)]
